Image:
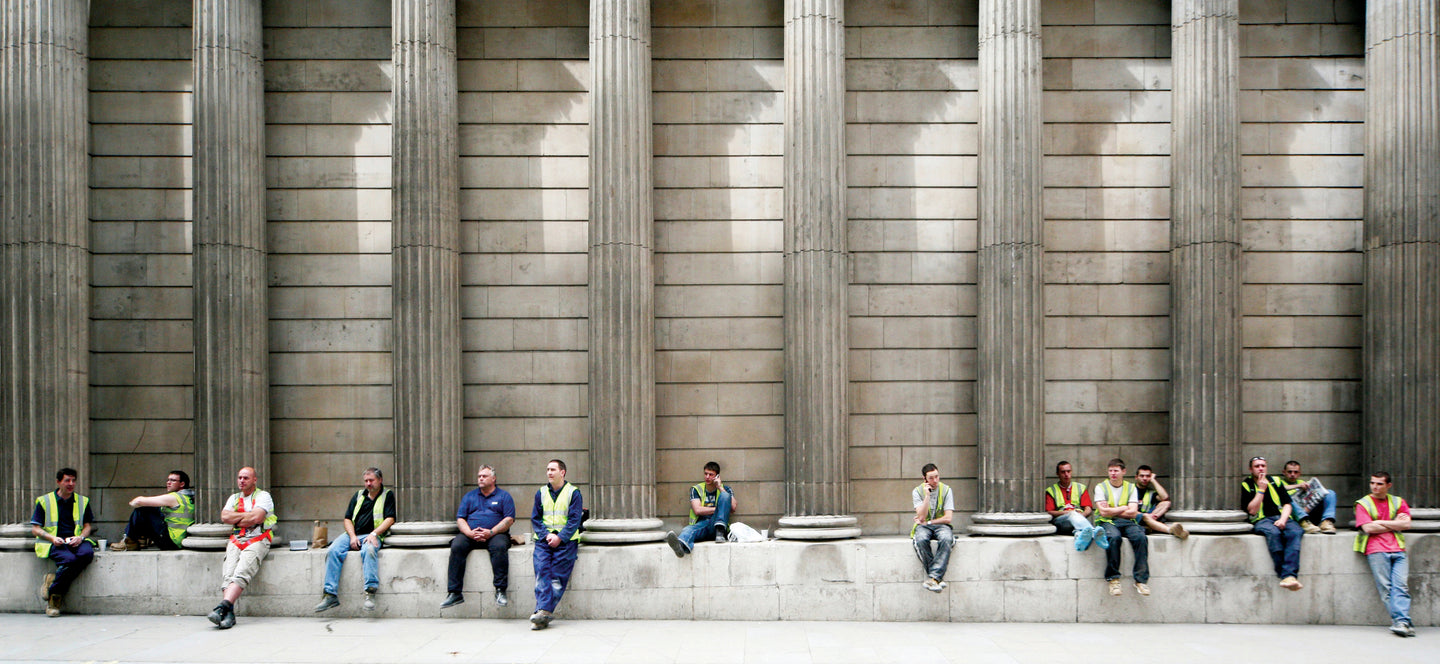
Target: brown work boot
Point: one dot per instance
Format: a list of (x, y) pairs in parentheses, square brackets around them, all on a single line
[(52, 607), (45, 587), (1179, 531), (1291, 583), (1309, 527), (127, 544), (1115, 587), (1327, 526)]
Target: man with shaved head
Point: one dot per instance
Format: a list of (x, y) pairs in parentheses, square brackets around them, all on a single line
[(251, 512)]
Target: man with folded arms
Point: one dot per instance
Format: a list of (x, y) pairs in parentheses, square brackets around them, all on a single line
[(252, 513)]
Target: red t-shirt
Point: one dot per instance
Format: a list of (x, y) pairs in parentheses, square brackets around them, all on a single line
[(1384, 542), (1084, 499)]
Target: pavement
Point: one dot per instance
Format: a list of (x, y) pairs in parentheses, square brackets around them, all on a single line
[(130, 638)]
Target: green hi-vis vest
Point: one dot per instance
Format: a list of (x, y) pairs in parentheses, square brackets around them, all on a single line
[(1368, 503), (51, 506), (556, 510), (705, 499), (1113, 492), (1147, 503), (937, 510), (1248, 484), (179, 517), (377, 511), (1077, 493)]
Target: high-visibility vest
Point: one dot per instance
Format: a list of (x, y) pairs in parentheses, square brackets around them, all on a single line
[(1368, 504), (555, 511), (1077, 494), (377, 511), (1111, 498), (270, 520), (179, 517), (1146, 502), (1248, 484), (937, 509), (705, 499), (51, 504)]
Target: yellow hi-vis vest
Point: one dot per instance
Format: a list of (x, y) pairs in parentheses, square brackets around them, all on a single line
[(556, 510), (937, 509), (1249, 485), (1112, 499), (51, 505), (705, 500), (1077, 492), (178, 518), (377, 511), (1368, 503)]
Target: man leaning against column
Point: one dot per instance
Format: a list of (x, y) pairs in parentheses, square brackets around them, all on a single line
[(367, 518), (251, 512), (555, 520), (1382, 519)]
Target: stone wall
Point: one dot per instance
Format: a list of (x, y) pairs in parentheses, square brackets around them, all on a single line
[(1202, 580), (911, 109)]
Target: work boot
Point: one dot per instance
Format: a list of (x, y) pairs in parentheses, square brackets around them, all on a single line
[(229, 620), (1115, 588), (1327, 526), (127, 544), (52, 606), (1179, 531), (540, 620), (327, 602), (501, 598), (676, 545), (1291, 583), (216, 614), (45, 587), (369, 604), (451, 600), (1309, 526)]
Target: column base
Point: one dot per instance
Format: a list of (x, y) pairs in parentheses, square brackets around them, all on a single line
[(207, 536), (16, 537), (623, 531), (816, 528), (1011, 524), (1211, 522), (421, 534)]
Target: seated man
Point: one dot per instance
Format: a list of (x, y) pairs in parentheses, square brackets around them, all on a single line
[(1260, 495), (484, 517), (1069, 507), (934, 505), (369, 515), (161, 520), (711, 504), (1154, 503), (252, 513), (1299, 493), (62, 523), (1118, 505)]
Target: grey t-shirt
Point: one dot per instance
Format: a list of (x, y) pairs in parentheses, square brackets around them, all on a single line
[(917, 498)]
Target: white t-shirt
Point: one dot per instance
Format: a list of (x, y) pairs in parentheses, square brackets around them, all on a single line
[(1122, 497), (258, 500)]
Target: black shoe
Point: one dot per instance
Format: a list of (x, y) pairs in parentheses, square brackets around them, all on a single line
[(675, 544), (217, 614), (229, 620), (451, 600), (501, 599)]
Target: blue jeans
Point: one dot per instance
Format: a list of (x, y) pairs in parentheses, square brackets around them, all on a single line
[(1391, 570), (934, 563), (1284, 545), (1327, 508), (704, 528), (1070, 522), (335, 558), (1138, 542)]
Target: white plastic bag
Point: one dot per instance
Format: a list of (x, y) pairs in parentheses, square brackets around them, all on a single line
[(740, 532)]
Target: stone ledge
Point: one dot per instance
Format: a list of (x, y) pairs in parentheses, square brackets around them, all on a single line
[(1205, 579)]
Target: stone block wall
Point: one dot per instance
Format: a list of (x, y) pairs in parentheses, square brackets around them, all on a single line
[(718, 103)]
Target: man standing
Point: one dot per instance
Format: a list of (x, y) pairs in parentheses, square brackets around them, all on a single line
[(1154, 503), (555, 520), (369, 515), (484, 517), (1118, 505), (934, 505), (252, 513), (161, 519), (711, 504), (1382, 519), (1260, 494), (62, 523), (1299, 491), (1069, 507)]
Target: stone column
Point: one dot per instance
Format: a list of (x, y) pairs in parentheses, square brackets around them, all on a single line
[(425, 245), (1010, 398), (1402, 249), (622, 290), (817, 455), (1205, 256), (44, 249), (232, 410)]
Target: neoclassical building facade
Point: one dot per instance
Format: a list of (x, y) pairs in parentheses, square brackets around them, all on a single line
[(821, 242)]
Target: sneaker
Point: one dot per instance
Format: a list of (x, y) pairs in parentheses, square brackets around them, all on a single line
[(229, 620), (931, 585), (675, 544), (1397, 628), (217, 614), (540, 620), (1327, 526), (1115, 587), (52, 607), (1143, 589), (1409, 629), (45, 587), (369, 604), (1309, 527), (722, 533), (451, 600), (1179, 532), (327, 602), (1100, 537), (1083, 538), (1291, 583), (943, 585), (501, 599)]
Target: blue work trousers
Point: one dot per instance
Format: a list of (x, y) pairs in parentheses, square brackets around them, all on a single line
[(552, 572), (69, 563)]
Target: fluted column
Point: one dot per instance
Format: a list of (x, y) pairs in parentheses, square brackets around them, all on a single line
[(622, 291), (1010, 399), (232, 412), (1205, 256), (44, 250), (817, 468), (1402, 248), (425, 289)]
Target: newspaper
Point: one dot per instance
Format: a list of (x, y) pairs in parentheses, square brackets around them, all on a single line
[(1310, 495)]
